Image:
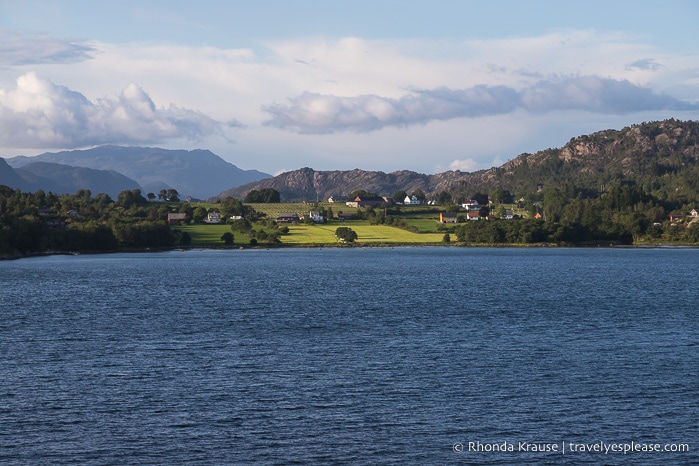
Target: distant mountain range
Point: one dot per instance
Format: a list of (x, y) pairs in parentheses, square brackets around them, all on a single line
[(197, 173), (661, 156)]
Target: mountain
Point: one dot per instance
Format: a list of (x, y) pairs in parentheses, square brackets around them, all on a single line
[(307, 184), (9, 177), (62, 179), (197, 173), (662, 157)]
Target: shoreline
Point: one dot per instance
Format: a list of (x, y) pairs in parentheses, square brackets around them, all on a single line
[(18, 255)]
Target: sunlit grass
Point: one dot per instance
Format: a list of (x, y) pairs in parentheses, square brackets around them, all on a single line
[(210, 235), (303, 234), (321, 234)]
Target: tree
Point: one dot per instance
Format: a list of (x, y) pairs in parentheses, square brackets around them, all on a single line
[(444, 198), (345, 234), (266, 196), (186, 239), (199, 214), (128, 198), (499, 211), (419, 195), (172, 195), (150, 196), (501, 196), (227, 238), (399, 196), (450, 207), (481, 198), (360, 193)]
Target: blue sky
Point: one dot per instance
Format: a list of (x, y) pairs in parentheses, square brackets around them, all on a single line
[(383, 85)]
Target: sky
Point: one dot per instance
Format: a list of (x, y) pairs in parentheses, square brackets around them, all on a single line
[(276, 85)]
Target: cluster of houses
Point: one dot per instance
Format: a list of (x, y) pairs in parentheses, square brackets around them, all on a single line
[(175, 218), (472, 207), (53, 220), (694, 216), (473, 212), (372, 201)]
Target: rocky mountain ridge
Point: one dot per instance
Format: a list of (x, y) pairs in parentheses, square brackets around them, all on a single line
[(661, 156), (640, 153)]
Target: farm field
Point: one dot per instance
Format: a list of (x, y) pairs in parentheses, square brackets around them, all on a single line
[(311, 235), (210, 235), (273, 210), (302, 234)]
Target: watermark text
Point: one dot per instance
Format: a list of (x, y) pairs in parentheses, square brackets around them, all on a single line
[(566, 447)]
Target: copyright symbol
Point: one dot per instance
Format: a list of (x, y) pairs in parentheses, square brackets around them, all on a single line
[(458, 447)]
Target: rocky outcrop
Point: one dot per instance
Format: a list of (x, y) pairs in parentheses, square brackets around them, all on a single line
[(634, 153)]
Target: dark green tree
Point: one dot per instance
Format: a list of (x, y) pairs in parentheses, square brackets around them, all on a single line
[(172, 195), (420, 195), (227, 238), (399, 196), (129, 198), (266, 196), (345, 234), (444, 198), (185, 239)]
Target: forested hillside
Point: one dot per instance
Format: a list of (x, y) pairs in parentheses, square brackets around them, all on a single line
[(639, 185), (659, 157)]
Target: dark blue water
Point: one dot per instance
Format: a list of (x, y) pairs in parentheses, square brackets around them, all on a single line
[(359, 356)]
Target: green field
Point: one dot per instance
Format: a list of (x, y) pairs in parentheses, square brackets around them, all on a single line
[(423, 218), (313, 235), (302, 234), (210, 235), (273, 210)]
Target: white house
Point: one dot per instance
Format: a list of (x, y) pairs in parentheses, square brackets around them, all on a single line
[(471, 204), (213, 217), (411, 200), (316, 216)]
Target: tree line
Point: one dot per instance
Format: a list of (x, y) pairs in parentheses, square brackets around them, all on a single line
[(40, 221), (624, 214)]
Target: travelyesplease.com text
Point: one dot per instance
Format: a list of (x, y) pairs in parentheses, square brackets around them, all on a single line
[(565, 447)]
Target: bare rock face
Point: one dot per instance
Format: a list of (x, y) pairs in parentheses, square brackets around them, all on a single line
[(648, 149)]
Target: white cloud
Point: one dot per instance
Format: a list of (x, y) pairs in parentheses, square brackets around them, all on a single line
[(312, 113), (644, 64), (21, 49), (384, 104), (38, 113), (467, 165)]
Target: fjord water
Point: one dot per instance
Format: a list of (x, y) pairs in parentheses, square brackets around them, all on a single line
[(355, 356)]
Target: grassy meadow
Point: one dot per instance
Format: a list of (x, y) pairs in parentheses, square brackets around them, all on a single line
[(314, 235), (305, 235), (420, 218), (210, 235)]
